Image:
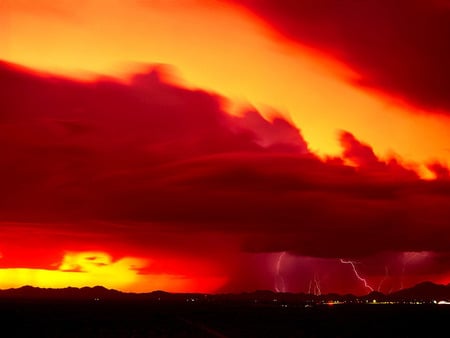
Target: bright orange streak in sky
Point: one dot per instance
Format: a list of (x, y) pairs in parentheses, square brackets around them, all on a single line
[(214, 47), (221, 48)]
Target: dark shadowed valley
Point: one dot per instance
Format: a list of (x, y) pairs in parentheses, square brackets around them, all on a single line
[(98, 312)]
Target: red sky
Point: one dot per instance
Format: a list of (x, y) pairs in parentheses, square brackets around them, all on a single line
[(224, 145)]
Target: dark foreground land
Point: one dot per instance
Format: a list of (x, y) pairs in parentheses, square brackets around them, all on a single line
[(97, 318)]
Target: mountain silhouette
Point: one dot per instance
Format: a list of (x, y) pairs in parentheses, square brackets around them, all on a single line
[(426, 291)]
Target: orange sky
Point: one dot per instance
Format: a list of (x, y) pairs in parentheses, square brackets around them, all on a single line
[(91, 268), (219, 47)]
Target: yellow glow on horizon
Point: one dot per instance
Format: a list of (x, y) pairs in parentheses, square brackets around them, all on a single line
[(80, 269)]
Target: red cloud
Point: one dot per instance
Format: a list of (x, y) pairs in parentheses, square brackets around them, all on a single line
[(156, 165), (397, 47)]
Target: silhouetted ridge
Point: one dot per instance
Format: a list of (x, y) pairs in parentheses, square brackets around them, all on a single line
[(426, 292)]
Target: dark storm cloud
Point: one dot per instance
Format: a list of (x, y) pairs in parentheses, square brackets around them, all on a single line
[(153, 163), (398, 47)]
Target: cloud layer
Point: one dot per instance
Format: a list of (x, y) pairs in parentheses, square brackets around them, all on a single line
[(396, 47), (153, 164)]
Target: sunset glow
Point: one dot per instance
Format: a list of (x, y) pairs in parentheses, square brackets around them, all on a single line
[(188, 145), (90, 37), (80, 269)]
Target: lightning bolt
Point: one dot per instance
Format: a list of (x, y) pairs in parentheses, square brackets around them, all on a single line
[(314, 285), (317, 290), (409, 257), (280, 285), (386, 275), (357, 275)]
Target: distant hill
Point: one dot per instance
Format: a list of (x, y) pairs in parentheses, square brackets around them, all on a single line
[(426, 291), (29, 292)]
